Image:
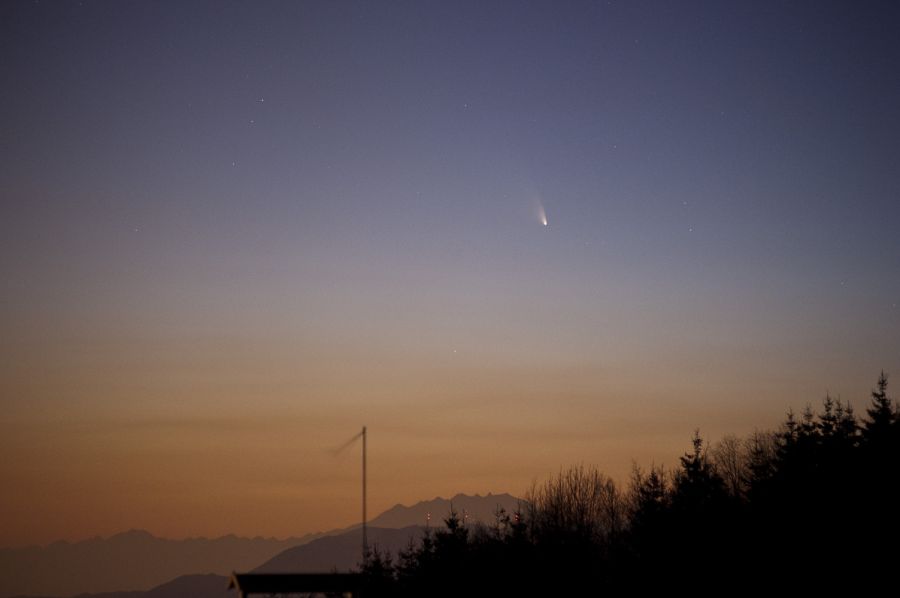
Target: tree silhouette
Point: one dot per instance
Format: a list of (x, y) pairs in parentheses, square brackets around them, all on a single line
[(770, 511), (881, 414)]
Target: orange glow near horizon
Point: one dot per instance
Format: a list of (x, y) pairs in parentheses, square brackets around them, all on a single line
[(229, 438)]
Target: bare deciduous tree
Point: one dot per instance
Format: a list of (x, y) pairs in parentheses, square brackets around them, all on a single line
[(578, 501), (729, 458)]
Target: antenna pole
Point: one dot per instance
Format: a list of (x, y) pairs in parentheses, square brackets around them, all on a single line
[(365, 540)]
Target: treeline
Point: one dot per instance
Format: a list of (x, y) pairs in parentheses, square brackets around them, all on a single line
[(812, 507)]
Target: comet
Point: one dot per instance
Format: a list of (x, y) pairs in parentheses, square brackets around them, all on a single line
[(540, 212)]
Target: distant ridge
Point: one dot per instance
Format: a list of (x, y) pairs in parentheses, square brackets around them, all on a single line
[(477, 507), (339, 553), (186, 586), (390, 532), (132, 560), (137, 564)]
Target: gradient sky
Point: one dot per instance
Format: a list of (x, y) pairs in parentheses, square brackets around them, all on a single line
[(235, 232)]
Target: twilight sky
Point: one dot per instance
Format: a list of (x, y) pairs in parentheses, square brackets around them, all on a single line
[(235, 232)]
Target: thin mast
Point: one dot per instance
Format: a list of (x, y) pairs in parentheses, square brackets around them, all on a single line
[(365, 541)]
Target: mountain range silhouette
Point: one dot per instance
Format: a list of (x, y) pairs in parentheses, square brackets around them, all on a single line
[(137, 564)]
